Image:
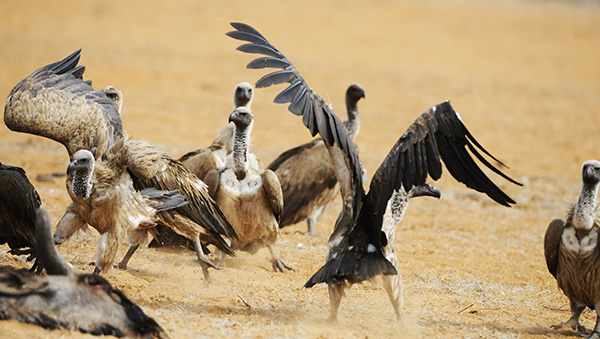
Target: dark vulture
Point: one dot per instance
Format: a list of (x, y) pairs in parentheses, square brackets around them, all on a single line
[(306, 174), (356, 246), (18, 203), (572, 252), (248, 195), (64, 299), (133, 184)]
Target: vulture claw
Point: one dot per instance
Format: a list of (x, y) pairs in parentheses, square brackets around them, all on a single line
[(280, 266)]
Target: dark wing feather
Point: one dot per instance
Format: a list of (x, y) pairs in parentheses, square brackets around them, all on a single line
[(552, 244), (19, 202), (437, 135), (55, 102)]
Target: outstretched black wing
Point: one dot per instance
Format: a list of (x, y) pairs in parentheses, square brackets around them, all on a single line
[(437, 135), (55, 102)]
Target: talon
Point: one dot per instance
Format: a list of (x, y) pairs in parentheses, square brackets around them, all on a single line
[(280, 266)]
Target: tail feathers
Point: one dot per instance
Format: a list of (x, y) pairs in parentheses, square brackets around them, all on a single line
[(167, 199), (352, 266)]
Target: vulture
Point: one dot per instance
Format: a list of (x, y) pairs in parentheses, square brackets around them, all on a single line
[(204, 160), (249, 196), (306, 174), (18, 204), (64, 299), (355, 250), (572, 252), (127, 185)]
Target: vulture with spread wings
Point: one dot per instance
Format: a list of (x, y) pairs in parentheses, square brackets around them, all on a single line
[(55, 102), (355, 248)]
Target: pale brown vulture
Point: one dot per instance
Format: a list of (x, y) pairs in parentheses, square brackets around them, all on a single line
[(306, 174), (572, 252), (356, 246), (248, 195), (56, 103), (18, 203), (115, 95), (64, 299)]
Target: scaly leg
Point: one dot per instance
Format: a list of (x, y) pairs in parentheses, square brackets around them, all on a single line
[(278, 265), (573, 322), (336, 292), (205, 263)]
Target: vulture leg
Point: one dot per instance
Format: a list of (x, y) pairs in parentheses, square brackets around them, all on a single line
[(67, 226), (573, 322), (108, 245), (394, 288), (205, 262), (596, 332), (135, 237), (311, 226), (278, 265), (336, 292)]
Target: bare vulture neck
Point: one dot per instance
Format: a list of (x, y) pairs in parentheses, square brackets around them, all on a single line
[(241, 140), (353, 122), (82, 186), (395, 209), (583, 215)]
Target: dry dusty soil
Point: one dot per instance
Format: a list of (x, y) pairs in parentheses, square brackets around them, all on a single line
[(525, 76)]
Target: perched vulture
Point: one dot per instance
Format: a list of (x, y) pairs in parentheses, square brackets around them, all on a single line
[(64, 299), (248, 195), (306, 174), (572, 252), (356, 246), (204, 160), (133, 185), (18, 203)]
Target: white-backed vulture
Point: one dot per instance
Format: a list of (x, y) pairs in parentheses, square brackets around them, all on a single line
[(64, 299), (56, 103), (18, 203), (248, 195), (306, 174), (572, 252), (355, 251), (204, 160)]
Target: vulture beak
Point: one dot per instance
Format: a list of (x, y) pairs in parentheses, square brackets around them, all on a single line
[(234, 116), (72, 166), (426, 190), (591, 172)]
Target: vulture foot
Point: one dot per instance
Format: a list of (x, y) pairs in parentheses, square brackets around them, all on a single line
[(280, 266), (571, 324)]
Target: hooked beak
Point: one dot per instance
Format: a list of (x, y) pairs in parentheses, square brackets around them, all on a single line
[(234, 116), (72, 167), (426, 190)]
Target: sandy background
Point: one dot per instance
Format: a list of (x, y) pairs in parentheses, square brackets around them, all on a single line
[(525, 76)]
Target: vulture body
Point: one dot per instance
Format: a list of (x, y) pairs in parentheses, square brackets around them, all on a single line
[(56, 103), (204, 160), (572, 252), (249, 196), (18, 204), (64, 299), (306, 174), (355, 251)]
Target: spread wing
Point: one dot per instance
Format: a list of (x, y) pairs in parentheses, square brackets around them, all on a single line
[(317, 116), (55, 102), (552, 244)]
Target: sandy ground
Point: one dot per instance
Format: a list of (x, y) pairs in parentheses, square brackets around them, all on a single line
[(525, 76)]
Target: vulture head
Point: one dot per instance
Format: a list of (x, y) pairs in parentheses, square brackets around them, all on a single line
[(242, 95), (354, 93), (425, 190), (83, 165), (115, 95), (243, 118), (591, 173)]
